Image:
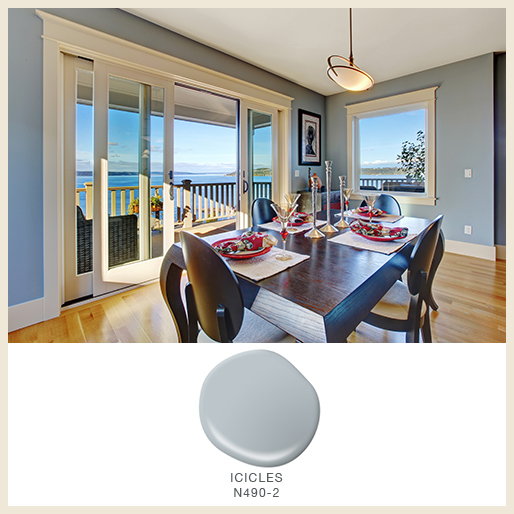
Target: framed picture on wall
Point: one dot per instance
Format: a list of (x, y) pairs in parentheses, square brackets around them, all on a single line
[(309, 133)]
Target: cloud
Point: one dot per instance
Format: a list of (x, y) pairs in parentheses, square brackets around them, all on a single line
[(113, 144), (378, 161)]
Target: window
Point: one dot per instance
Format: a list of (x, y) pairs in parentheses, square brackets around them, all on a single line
[(391, 146)]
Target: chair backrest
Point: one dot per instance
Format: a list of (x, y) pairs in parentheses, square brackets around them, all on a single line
[(423, 255), (262, 212), (388, 204), (80, 215), (214, 284)]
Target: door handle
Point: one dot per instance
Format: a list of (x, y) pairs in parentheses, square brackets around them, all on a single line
[(172, 189), (245, 184)]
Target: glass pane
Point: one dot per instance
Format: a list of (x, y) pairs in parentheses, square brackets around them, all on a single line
[(135, 165), (84, 170), (392, 152), (157, 170), (206, 157), (260, 155)]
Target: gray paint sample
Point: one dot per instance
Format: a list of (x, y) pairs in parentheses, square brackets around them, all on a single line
[(258, 408)]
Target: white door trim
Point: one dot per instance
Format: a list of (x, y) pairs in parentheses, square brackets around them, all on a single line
[(62, 36)]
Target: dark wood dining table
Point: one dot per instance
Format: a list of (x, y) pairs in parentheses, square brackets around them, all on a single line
[(320, 300)]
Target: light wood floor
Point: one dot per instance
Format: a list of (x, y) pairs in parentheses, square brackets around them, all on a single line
[(470, 293)]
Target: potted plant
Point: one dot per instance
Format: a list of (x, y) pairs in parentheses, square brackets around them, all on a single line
[(155, 203)]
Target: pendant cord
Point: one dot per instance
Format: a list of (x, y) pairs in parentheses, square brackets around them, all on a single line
[(351, 48)]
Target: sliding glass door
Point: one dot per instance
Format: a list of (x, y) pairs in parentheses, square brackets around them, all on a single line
[(118, 210), (259, 158)]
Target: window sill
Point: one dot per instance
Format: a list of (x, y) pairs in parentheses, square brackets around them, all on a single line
[(418, 200)]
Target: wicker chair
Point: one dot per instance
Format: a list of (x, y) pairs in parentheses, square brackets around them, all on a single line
[(123, 241)]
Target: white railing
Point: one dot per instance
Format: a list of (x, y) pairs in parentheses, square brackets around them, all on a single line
[(377, 182), (193, 202)]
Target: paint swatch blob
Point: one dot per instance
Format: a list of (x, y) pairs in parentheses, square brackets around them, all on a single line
[(258, 408)]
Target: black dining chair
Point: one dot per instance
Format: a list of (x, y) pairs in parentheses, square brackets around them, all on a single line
[(262, 212), (438, 256), (388, 204), (406, 306), (214, 300)]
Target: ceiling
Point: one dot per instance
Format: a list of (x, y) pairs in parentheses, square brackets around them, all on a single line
[(295, 42)]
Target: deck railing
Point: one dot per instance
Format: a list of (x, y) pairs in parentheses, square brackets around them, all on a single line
[(377, 182), (193, 202)]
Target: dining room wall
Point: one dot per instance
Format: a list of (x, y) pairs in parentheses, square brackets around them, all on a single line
[(25, 146), (464, 139)]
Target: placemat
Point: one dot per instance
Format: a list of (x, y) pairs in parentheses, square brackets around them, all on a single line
[(273, 225), (389, 218), (264, 266), (348, 238)]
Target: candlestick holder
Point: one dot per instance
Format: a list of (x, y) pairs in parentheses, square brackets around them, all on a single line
[(314, 233), (344, 199), (328, 228)]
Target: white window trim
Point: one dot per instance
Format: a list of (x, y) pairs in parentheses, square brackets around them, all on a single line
[(62, 36), (424, 98)]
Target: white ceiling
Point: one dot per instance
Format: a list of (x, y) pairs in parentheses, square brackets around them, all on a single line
[(295, 43)]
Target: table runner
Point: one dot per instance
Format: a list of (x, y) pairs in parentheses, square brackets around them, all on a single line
[(348, 238), (390, 218), (264, 266)]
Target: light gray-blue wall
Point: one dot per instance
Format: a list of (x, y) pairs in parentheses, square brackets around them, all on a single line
[(25, 154), (464, 139), (25, 120)]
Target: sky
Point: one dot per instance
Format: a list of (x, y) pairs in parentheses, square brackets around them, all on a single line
[(199, 147), (209, 149), (381, 137)]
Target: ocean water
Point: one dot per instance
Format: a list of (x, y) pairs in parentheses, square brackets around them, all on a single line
[(131, 180)]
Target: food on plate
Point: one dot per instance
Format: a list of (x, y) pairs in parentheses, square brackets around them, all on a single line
[(247, 242), (378, 230), (365, 210)]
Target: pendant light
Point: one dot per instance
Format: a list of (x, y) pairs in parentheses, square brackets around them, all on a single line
[(347, 74)]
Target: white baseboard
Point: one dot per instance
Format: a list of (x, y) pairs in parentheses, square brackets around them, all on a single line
[(25, 314), (471, 250), (501, 252)]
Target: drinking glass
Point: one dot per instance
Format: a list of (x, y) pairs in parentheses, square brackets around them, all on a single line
[(370, 200), (291, 198), (292, 201), (284, 212), (345, 194)]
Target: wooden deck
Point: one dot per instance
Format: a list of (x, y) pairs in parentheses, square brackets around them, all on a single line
[(470, 292)]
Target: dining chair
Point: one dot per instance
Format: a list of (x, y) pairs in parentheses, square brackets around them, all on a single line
[(438, 256), (406, 306), (215, 302), (387, 203), (262, 212)]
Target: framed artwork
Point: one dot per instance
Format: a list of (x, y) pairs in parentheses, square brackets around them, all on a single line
[(309, 133)]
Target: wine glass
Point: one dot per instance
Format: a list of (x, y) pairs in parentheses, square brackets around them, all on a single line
[(370, 200), (347, 191), (292, 200), (284, 212)]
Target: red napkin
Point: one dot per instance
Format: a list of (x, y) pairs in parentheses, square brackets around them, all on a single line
[(246, 242), (377, 230)]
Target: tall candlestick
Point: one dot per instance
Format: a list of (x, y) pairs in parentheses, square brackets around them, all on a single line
[(314, 233), (328, 228)]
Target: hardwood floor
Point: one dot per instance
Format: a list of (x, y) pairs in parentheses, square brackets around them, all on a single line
[(470, 293)]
